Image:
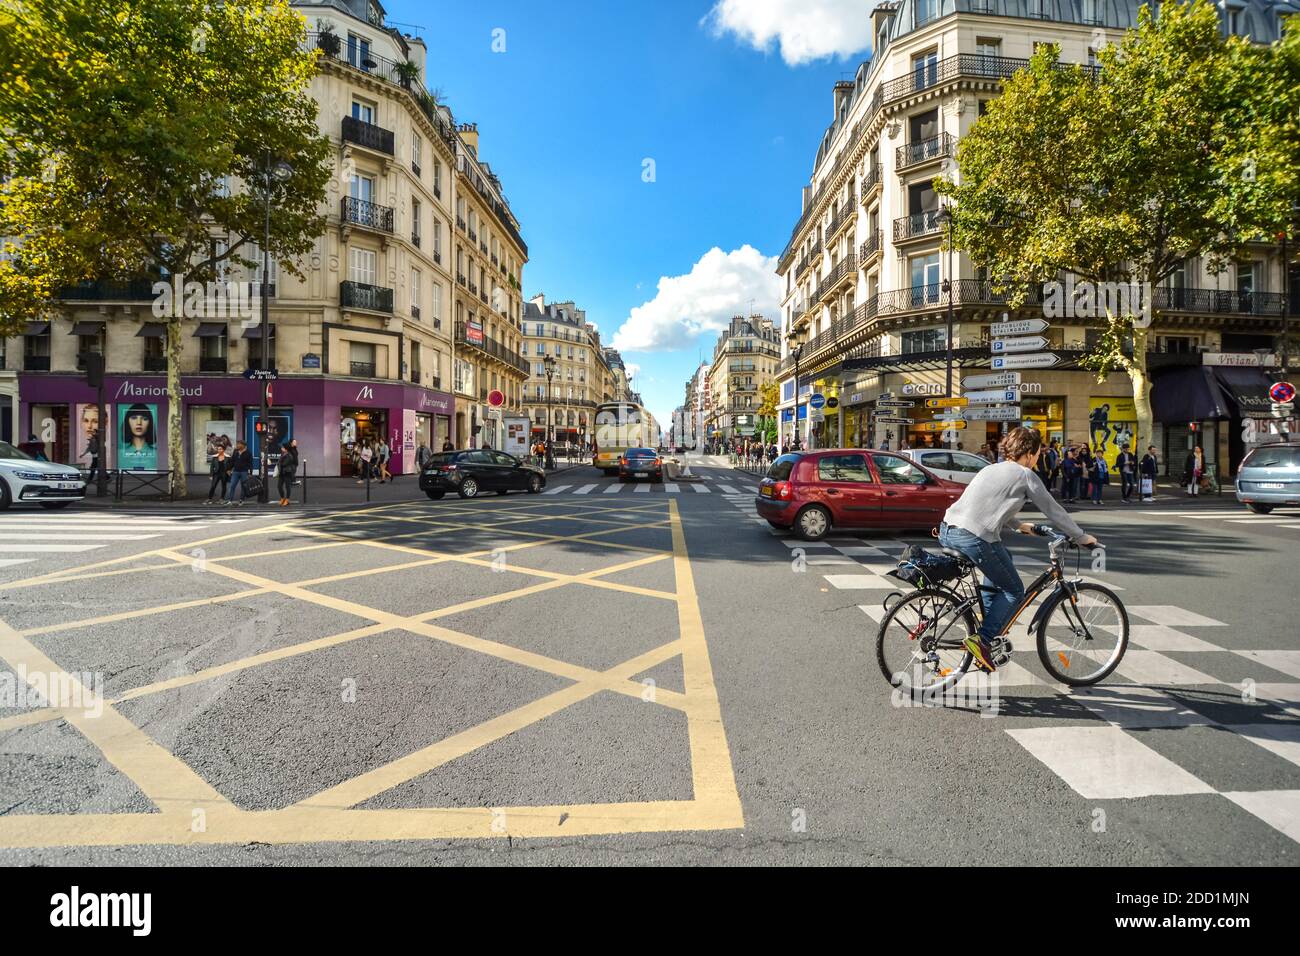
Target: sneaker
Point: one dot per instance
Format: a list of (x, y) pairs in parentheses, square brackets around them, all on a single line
[(982, 653)]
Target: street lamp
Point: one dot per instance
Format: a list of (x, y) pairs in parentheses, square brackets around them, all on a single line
[(549, 363), (944, 218), (796, 351), (272, 173)]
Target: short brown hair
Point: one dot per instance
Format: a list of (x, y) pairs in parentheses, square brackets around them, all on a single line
[(1019, 442)]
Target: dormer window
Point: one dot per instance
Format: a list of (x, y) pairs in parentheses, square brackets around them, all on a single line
[(374, 14)]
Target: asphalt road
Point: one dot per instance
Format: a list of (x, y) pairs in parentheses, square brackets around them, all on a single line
[(628, 676)]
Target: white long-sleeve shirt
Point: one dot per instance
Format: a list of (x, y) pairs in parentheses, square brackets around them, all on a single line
[(994, 498)]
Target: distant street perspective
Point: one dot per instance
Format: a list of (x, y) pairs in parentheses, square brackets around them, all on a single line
[(747, 433)]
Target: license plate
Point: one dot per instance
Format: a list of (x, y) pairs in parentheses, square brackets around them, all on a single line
[(68, 485), (642, 474), (765, 491), (1271, 485)]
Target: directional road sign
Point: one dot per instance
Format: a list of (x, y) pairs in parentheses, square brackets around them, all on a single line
[(992, 396), (998, 380), (945, 402), (893, 421), (1023, 343), (995, 413), (941, 426), (894, 403), (1033, 360), (1021, 327)]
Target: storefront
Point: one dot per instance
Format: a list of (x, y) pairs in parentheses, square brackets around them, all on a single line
[(322, 414)]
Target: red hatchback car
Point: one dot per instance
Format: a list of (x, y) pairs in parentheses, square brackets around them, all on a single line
[(812, 492)]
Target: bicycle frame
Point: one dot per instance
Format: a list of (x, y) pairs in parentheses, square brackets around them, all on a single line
[(1054, 575)]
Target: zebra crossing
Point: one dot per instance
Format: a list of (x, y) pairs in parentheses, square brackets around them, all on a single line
[(1233, 516), (706, 485), (29, 537)]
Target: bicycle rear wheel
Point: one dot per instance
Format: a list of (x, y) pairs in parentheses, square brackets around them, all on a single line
[(919, 646), (1081, 641)]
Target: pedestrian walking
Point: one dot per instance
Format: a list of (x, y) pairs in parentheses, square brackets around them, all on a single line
[(1053, 457), (241, 465), (367, 457), (1194, 470), (1149, 467), (1085, 471), (382, 455), (1071, 471), (422, 456), (1126, 464), (287, 470), (92, 449), (447, 445), (219, 472)]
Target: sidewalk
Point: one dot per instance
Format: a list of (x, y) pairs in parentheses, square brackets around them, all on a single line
[(322, 492)]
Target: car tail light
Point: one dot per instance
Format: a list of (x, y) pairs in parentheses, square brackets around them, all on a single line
[(782, 489)]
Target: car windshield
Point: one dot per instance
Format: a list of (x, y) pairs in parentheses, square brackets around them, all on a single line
[(639, 453), (1275, 456), (781, 468), (9, 451)]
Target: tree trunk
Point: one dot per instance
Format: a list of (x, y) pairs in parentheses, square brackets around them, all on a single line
[(175, 409), (1137, 373)]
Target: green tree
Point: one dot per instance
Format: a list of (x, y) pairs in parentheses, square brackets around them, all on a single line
[(1114, 177), (768, 396), (138, 133)]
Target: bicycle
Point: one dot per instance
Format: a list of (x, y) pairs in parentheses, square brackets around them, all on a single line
[(921, 638)]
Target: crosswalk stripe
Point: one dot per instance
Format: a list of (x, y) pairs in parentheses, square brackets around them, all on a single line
[(613, 489), (53, 548), (556, 490), (671, 488), (6, 562), (728, 490), (701, 489), (46, 536), (140, 526), (641, 488), (585, 490)]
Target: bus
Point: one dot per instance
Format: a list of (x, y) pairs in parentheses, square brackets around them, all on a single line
[(619, 426)]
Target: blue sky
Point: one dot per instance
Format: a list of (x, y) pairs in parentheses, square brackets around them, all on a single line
[(584, 93)]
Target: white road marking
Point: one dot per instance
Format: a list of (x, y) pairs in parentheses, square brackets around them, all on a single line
[(1280, 809), (1280, 739), (1140, 708), (641, 488), (47, 536), (1286, 662), (51, 548), (1174, 616), (1159, 637), (585, 490), (613, 489), (1152, 667), (556, 490), (729, 490), (6, 562), (701, 489), (671, 488), (1106, 763), (860, 582)]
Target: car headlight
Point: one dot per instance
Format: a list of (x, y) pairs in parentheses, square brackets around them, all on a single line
[(33, 476)]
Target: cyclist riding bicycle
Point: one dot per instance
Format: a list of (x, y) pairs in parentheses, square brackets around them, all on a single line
[(973, 525)]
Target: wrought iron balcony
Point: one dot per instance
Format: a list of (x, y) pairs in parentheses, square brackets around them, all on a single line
[(213, 363), (870, 181), (368, 215), (361, 369), (873, 245), (155, 363), (924, 150), (362, 295), (916, 225), (368, 135), (111, 290)]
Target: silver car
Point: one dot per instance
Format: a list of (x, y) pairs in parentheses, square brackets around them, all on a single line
[(959, 466), (24, 479), (1270, 477)]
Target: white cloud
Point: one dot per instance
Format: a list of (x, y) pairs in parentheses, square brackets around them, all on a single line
[(805, 30), (632, 369), (718, 287)]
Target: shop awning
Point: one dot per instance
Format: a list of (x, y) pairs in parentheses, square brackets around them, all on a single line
[(255, 331), (1188, 395), (87, 328), (210, 330), (37, 328), (1247, 389), (152, 330)]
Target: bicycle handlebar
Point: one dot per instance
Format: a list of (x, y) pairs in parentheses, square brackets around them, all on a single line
[(1047, 531)]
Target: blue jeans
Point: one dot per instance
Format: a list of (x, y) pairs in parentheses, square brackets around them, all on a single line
[(237, 479), (992, 558)]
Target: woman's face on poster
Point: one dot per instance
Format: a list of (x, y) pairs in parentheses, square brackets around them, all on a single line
[(139, 425), (90, 420)]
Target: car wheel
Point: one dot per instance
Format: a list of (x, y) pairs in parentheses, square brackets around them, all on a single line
[(51, 505), (534, 485), (5, 498), (435, 495), (813, 523), (468, 488), (1260, 509)]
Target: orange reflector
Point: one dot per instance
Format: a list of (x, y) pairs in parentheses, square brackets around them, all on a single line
[(1065, 661), (945, 672)]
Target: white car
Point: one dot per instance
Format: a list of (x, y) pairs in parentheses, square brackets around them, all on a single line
[(958, 466), (23, 479)]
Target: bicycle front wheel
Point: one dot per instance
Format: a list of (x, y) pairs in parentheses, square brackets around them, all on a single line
[(920, 643), (1081, 639)]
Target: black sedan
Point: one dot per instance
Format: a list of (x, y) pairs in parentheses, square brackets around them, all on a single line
[(640, 463), (476, 470)]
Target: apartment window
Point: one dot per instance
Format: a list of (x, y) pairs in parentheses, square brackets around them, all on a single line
[(415, 293), (437, 304), (460, 210), (925, 69), (925, 278), (91, 343), (362, 188), (363, 111), (437, 178), (415, 362), (361, 359), (925, 11), (359, 53), (924, 340), (416, 216), (416, 149), (473, 222), (361, 266), (924, 126), (989, 51), (1092, 58), (437, 239)]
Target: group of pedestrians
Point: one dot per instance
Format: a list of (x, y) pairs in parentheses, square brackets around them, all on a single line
[(370, 461), (232, 473), (1073, 471)]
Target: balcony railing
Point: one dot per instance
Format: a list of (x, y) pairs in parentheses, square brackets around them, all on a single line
[(368, 215), (368, 135), (492, 347), (110, 290), (870, 181), (874, 244), (36, 363), (155, 363), (916, 225), (361, 369), (362, 295), (923, 150)]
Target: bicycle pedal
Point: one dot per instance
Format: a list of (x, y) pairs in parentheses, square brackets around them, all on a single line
[(1001, 660)]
